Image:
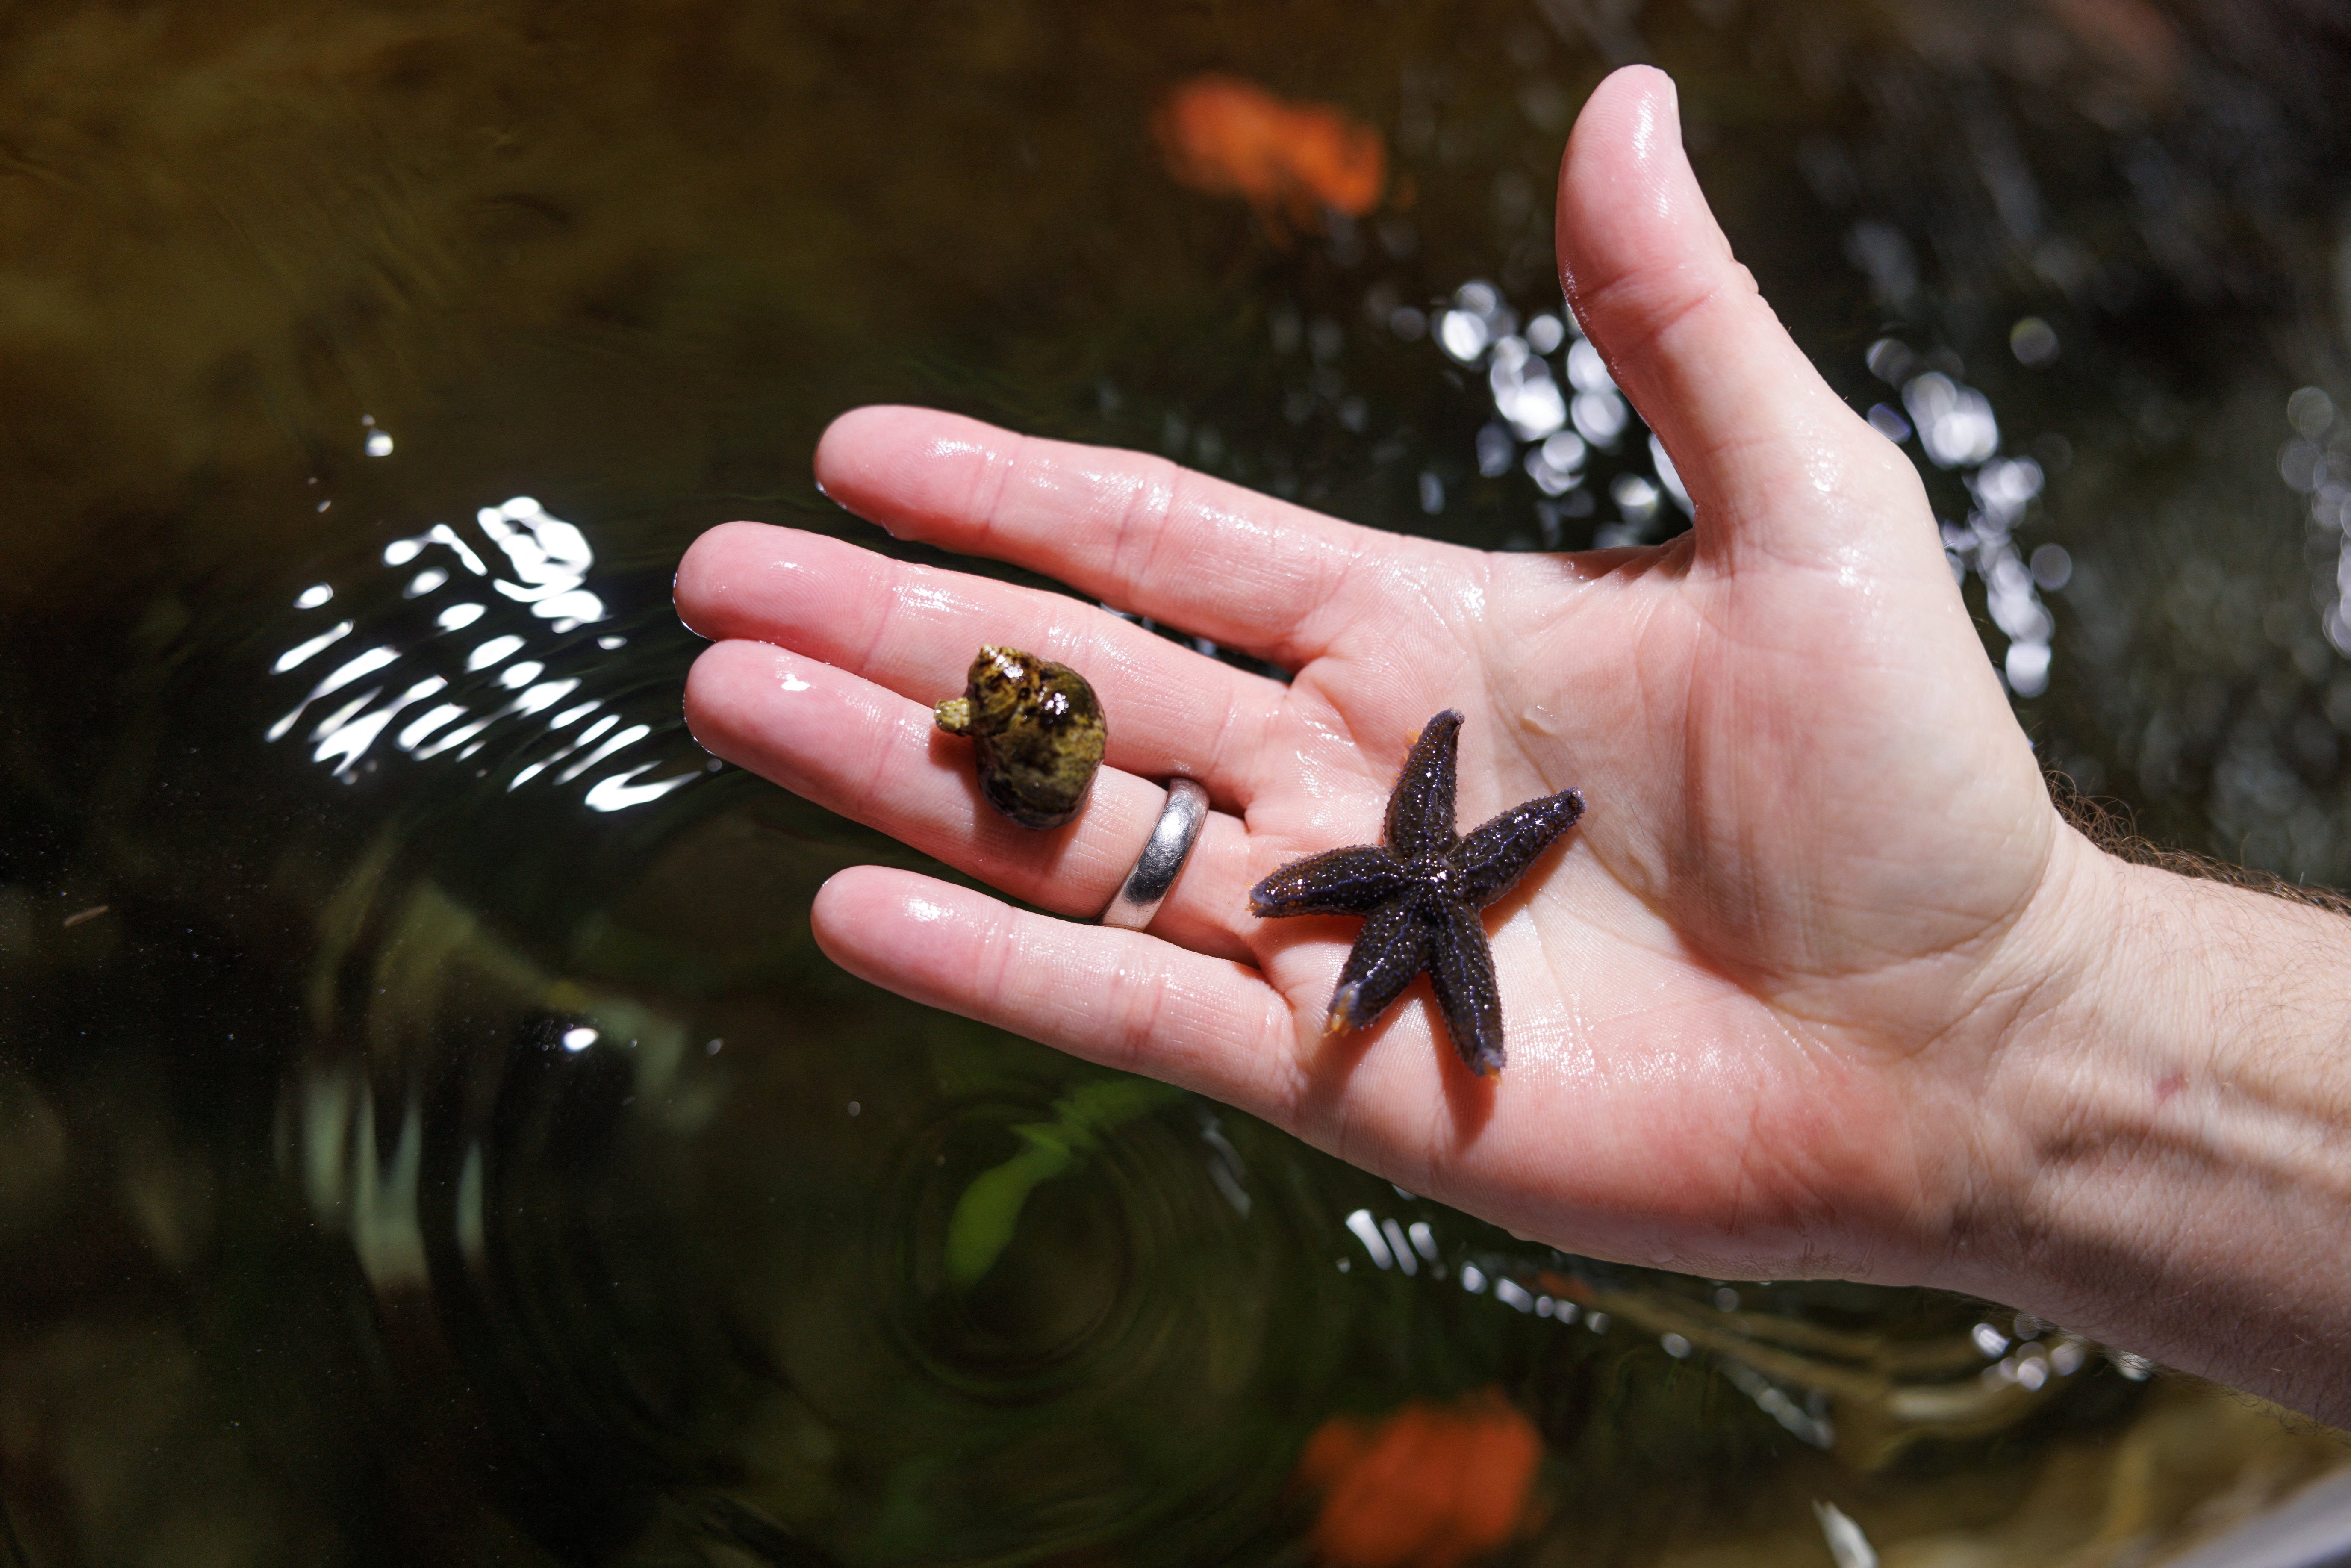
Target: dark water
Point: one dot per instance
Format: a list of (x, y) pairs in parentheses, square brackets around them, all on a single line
[(427, 1130)]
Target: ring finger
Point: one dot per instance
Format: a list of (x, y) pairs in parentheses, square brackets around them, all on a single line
[(855, 748)]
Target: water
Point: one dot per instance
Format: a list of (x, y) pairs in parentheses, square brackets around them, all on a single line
[(430, 1134)]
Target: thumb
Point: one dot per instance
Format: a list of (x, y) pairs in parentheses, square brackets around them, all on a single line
[(1771, 457)]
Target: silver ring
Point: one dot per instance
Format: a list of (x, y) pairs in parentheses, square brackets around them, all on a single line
[(1163, 857)]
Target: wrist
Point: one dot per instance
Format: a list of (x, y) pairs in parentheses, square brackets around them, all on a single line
[(2166, 1147)]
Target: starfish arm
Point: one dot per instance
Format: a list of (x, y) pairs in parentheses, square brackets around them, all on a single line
[(1491, 860), (1461, 969), (1392, 948), (1420, 811), (1337, 881)]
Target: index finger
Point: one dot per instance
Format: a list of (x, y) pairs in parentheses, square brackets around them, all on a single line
[(1137, 532)]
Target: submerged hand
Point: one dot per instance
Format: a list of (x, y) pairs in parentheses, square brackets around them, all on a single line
[(1762, 1007)]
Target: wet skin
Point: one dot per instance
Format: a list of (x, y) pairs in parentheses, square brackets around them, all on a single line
[(1829, 989)]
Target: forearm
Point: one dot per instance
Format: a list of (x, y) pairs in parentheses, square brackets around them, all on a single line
[(2176, 1125)]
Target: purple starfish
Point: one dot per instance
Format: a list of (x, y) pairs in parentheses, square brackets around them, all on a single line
[(1419, 892)]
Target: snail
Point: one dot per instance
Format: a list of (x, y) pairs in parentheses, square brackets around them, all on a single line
[(1037, 734)]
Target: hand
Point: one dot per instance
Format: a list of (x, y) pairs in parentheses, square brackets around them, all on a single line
[(1751, 1006), (1821, 986)]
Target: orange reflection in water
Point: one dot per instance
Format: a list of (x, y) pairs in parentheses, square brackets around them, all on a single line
[(1230, 137), (2130, 35), (1426, 1486)]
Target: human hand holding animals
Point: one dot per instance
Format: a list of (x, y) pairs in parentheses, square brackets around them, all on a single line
[(1821, 984)]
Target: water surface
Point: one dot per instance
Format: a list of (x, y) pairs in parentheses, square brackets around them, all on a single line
[(427, 1130)]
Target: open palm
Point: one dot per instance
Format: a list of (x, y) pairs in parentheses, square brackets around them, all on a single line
[(1749, 1000)]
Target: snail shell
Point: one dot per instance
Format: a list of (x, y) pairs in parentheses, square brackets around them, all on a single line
[(1037, 734)]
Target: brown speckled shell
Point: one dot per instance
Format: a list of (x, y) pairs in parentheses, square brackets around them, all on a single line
[(1037, 735)]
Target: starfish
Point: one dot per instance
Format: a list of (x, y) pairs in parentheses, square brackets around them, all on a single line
[(1419, 891)]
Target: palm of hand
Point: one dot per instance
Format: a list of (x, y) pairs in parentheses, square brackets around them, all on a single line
[(1731, 999)]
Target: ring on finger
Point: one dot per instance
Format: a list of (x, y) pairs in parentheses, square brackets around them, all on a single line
[(1164, 853)]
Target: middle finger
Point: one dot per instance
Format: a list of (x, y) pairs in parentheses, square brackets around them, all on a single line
[(913, 630)]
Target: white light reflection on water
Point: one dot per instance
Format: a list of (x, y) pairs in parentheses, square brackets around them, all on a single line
[(1548, 421), (492, 652), (2033, 342), (2315, 462), (510, 681), (303, 650), (366, 664), (1529, 400), (346, 743), (1398, 1247), (1636, 497), (1669, 475), (1802, 1373), (1367, 1231), (1957, 429), (1848, 1547), (1955, 423), (1556, 462), (1806, 1425)]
